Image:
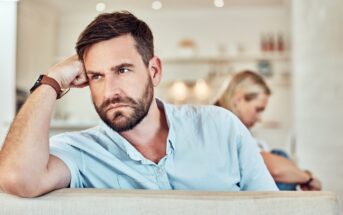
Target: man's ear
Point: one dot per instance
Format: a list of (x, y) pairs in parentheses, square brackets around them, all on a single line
[(155, 70)]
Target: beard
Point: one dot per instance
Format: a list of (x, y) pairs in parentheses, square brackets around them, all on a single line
[(121, 120)]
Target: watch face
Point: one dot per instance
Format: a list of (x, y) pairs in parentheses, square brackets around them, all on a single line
[(37, 83)]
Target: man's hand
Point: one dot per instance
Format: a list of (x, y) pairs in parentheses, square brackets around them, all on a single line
[(69, 73)]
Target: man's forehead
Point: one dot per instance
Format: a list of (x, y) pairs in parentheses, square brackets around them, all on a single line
[(119, 50), (121, 42)]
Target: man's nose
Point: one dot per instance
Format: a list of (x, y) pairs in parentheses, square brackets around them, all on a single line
[(111, 88)]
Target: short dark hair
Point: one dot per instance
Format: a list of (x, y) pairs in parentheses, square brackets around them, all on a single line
[(110, 25)]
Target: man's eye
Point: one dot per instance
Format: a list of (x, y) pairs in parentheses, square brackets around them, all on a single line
[(95, 77), (123, 70)]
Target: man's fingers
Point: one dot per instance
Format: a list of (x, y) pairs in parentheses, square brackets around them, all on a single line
[(79, 85), (80, 81)]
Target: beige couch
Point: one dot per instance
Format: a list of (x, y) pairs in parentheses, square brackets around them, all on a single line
[(103, 202)]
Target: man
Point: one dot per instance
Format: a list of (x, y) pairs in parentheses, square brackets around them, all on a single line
[(142, 143)]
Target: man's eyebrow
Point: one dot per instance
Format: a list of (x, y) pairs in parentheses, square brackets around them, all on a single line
[(115, 68), (90, 72)]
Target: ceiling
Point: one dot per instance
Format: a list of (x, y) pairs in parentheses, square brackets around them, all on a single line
[(67, 6)]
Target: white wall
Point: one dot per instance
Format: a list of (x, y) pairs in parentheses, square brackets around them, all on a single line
[(8, 25), (318, 78), (37, 35), (209, 28)]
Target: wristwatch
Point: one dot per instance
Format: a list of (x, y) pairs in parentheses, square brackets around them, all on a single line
[(44, 79)]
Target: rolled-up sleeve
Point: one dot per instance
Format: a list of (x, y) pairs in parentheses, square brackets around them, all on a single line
[(71, 156), (254, 173)]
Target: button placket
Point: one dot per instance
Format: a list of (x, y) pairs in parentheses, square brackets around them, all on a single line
[(160, 171), (161, 178)]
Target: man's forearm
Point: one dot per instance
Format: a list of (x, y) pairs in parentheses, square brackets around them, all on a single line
[(25, 153), (26, 167)]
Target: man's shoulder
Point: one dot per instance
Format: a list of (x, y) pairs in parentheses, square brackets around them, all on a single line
[(203, 117), (200, 111)]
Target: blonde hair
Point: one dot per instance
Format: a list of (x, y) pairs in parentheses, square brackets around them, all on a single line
[(248, 82)]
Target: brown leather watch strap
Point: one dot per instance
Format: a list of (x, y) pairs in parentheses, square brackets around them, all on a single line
[(44, 79), (53, 83)]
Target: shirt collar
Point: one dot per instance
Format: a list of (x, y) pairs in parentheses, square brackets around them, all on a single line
[(168, 111), (122, 142)]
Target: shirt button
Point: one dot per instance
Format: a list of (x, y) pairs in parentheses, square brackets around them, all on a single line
[(160, 171)]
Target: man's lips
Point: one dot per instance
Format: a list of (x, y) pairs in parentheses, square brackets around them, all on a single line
[(115, 106)]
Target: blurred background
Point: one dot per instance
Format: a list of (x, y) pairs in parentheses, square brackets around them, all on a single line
[(296, 45)]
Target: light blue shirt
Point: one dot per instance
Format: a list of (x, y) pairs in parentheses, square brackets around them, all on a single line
[(208, 148)]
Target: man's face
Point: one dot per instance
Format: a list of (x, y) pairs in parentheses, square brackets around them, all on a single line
[(120, 83)]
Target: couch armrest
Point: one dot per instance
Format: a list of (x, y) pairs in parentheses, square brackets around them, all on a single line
[(139, 202)]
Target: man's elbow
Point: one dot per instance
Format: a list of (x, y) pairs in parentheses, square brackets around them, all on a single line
[(15, 184)]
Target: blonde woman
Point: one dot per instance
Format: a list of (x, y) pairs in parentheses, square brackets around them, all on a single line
[(247, 96)]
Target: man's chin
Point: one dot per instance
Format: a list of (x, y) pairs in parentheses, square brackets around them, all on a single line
[(119, 123), (119, 126)]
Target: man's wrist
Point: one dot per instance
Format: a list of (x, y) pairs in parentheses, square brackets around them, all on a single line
[(55, 78), (51, 82), (64, 90)]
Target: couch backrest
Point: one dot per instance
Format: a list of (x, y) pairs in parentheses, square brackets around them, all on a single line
[(139, 202)]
